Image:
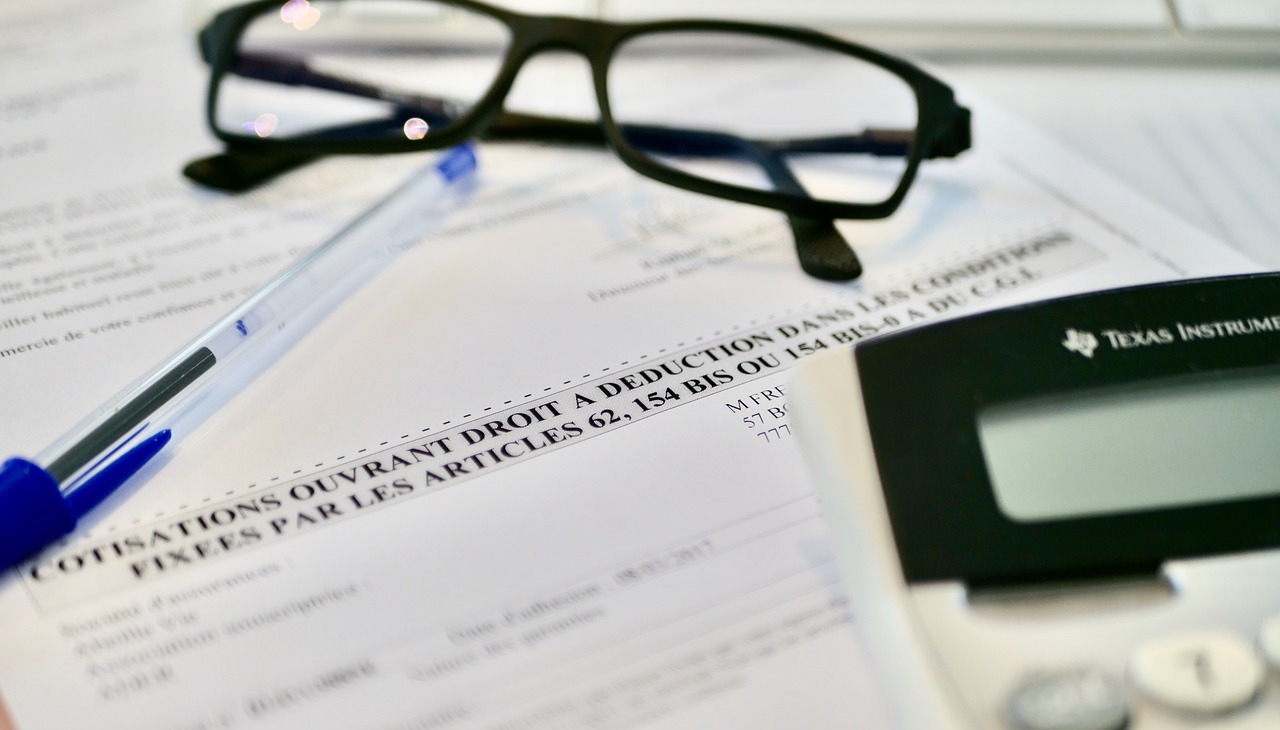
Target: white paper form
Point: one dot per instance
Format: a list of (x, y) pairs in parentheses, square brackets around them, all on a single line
[(539, 473)]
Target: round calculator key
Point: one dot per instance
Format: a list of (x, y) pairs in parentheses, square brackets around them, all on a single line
[(1202, 673), (1071, 699), (1269, 640)]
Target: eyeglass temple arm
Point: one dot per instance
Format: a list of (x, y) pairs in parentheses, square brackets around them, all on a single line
[(238, 171), (823, 252), (881, 142), (291, 71)]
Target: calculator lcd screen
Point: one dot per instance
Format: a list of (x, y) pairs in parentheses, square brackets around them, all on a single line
[(1199, 440)]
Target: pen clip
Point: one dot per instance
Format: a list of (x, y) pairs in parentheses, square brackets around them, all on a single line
[(102, 484)]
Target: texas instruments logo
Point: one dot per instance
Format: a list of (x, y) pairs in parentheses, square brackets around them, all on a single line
[(1139, 337), (1081, 341)]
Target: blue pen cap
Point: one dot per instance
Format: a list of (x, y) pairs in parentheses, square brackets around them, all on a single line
[(32, 511)]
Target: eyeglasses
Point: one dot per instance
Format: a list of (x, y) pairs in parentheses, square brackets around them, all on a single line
[(785, 118)]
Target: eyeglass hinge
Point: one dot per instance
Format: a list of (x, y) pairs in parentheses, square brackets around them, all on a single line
[(955, 139)]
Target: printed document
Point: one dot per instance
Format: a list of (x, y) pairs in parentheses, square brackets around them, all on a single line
[(539, 473)]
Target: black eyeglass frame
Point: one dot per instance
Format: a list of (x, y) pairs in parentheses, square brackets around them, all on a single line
[(942, 125)]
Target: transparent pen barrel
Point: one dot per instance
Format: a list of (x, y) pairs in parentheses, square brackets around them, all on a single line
[(228, 355)]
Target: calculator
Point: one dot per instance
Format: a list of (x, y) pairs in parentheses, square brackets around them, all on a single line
[(1063, 515)]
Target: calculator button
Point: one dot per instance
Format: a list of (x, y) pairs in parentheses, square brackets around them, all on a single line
[(1072, 699), (1202, 673), (1270, 640)]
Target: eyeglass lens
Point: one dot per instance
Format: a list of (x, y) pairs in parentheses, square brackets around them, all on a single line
[(839, 123), (359, 70)]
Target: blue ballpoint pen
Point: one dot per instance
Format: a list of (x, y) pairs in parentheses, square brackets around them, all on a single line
[(42, 499)]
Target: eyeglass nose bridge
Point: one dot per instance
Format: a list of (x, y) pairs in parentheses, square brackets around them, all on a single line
[(590, 39)]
